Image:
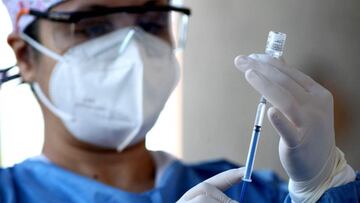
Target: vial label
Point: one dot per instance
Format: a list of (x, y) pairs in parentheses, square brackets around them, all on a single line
[(275, 44)]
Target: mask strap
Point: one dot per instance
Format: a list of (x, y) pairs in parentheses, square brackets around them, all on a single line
[(48, 104), (41, 48), (127, 141)]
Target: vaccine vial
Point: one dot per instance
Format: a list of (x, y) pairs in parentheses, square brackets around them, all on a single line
[(275, 44)]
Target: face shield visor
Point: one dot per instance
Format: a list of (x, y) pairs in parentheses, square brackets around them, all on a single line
[(166, 22)]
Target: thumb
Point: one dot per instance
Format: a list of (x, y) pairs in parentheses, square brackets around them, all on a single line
[(213, 187), (226, 179), (284, 127)]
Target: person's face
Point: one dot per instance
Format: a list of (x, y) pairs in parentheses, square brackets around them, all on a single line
[(60, 37)]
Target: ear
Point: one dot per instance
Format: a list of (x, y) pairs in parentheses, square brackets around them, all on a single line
[(25, 57)]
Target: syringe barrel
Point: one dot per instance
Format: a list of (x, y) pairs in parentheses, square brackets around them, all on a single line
[(254, 140), (275, 48)]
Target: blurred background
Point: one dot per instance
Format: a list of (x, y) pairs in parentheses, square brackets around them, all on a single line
[(211, 114)]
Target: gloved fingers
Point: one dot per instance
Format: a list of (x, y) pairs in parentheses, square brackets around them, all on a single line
[(284, 127), (302, 79), (219, 182), (205, 191), (276, 95), (244, 63), (226, 179)]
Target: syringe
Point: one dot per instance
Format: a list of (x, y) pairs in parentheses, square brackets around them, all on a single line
[(274, 47)]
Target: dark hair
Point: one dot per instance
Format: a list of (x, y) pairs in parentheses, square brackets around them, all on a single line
[(33, 31)]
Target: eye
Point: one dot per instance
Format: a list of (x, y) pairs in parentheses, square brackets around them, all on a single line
[(152, 27), (154, 24), (93, 29)]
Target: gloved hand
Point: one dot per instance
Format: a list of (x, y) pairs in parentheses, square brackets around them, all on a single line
[(211, 190), (302, 114)]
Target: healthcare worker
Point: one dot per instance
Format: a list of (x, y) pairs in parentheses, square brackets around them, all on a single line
[(102, 71)]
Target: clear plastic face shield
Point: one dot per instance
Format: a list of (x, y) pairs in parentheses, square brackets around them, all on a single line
[(167, 22)]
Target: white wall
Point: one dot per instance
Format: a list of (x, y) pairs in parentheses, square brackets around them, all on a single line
[(219, 106)]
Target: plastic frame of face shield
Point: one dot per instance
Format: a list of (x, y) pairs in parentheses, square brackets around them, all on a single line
[(75, 17), (5, 77)]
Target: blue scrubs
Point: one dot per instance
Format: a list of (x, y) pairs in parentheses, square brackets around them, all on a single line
[(36, 181)]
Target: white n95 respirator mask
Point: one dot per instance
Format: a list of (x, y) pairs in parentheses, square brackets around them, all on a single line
[(109, 91)]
